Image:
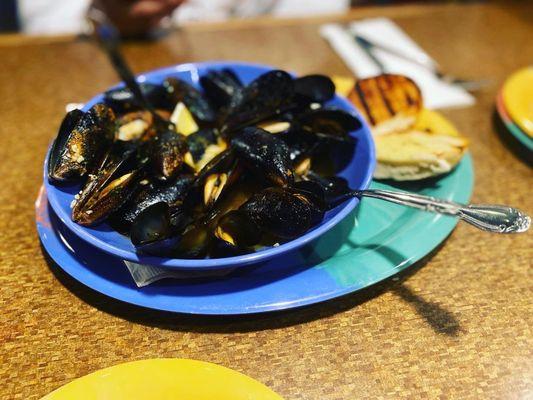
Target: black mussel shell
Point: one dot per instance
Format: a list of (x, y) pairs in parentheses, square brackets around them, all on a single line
[(195, 242), (150, 193), (236, 229), (193, 99), (315, 88), (69, 122), (269, 95), (336, 188), (313, 191), (222, 88), (114, 181), (158, 229), (329, 123), (267, 154), (82, 141), (121, 100), (300, 143), (167, 152), (281, 212)]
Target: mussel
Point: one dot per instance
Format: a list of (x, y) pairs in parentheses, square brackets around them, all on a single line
[(203, 145), (329, 123), (223, 88), (315, 88), (108, 189), (148, 193), (269, 95), (265, 153), (195, 101), (158, 228), (167, 151), (122, 100), (284, 213), (82, 140)]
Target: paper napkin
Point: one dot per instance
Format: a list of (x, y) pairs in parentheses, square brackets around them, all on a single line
[(143, 275), (436, 93)]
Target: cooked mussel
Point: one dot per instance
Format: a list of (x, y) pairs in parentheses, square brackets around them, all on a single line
[(122, 100), (82, 140), (108, 189), (217, 176), (281, 212), (265, 153), (204, 145), (195, 101), (223, 88), (268, 95), (315, 88), (167, 151), (148, 193), (238, 230), (329, 123), (158, 228)]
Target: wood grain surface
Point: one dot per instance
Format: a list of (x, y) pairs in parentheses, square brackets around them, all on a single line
[(457, 326)]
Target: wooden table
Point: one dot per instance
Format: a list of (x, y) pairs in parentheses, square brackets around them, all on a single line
[(457, 326)]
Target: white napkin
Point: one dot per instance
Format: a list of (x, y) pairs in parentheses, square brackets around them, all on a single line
[(143, 275), (436, 94)]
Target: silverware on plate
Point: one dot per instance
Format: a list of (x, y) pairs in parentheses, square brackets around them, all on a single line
[(425, 62), (487, 217)]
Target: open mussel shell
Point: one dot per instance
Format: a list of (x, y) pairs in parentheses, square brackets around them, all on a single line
[(223, 88), (82, 140), (328, 123), (158, 229), (265, 153), (122, 100), (282, 213), (268, 95), (194, 100), (167, 151), (217, 177), (59, 145), (109, 188), (237, 229), (315, 88), (204, 145), (149, 193)]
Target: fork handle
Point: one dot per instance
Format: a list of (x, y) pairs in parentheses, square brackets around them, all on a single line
[(489, 217)]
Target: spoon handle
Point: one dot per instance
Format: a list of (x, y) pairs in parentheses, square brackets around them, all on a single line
[(490, 217), (109, 39)]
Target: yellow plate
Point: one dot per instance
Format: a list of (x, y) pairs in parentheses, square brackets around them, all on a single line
[(164, 379), (518, 98)]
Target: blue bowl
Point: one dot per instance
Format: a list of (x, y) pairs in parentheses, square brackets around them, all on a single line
[(358, 171)]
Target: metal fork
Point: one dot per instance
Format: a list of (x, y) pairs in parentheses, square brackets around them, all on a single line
[(467, 84)]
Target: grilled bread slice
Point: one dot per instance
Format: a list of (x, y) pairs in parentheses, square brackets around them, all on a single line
[(431, 147), (388, 102)]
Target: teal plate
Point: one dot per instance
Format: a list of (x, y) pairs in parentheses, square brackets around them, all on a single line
[(386, 239)]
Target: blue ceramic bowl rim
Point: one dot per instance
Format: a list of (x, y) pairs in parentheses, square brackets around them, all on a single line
[(227, 262)]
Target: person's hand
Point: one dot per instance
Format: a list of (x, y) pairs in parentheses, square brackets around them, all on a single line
[(136, 17)]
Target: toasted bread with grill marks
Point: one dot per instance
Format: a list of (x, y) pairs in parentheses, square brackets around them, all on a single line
[(388, 102)]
